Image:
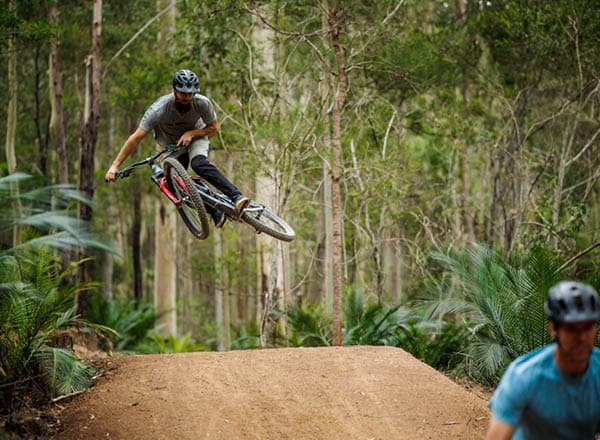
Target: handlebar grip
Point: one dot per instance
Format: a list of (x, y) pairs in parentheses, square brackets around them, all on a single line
[(122, 174)]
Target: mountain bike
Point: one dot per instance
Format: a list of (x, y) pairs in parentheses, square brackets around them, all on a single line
[(189, 194)]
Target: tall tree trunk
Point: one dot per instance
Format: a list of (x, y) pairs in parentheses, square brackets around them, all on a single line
[(270, 256), (325, 91), (464, 154), (165, 268), (185, 280), (136, 246), (57, 118), (339, 81), (328, 240), (108, 259), (88, 145), (370, 231), (220, 298), (57, 127), (466, 194), (113, 226), (11, 118), (394, 269), (270, 260), (165, 282), (41, 142)]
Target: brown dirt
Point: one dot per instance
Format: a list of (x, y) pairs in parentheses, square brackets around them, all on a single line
[(334, 393)]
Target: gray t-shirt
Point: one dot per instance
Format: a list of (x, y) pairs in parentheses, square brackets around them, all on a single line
[(168, 124)]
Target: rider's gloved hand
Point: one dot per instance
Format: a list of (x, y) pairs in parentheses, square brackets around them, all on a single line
[(111, 174)]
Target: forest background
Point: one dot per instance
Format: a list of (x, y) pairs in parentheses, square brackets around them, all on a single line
[(438, 160)]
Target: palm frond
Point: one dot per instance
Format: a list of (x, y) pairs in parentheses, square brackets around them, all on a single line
[(59, 195), (500, 301), (65, 240), (7, 181), (64, 373), (309, 326)]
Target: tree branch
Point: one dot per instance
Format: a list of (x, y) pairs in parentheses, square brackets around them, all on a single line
[(579, 255), (137, 34)]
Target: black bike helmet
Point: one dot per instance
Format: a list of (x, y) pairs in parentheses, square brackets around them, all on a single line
[(570, 301), (186, 81)]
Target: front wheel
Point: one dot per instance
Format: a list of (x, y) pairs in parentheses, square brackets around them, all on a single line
[(260, 218), (191, 209)]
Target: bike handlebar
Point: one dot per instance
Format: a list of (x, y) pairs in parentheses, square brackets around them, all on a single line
[(125, 172)]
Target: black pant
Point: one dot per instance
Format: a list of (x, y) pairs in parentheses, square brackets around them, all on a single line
[(211, 173)]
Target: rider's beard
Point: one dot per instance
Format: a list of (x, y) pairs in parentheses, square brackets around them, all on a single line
[(182, 107)]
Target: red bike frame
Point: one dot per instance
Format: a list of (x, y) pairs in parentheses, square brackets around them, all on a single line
[(162, 185)]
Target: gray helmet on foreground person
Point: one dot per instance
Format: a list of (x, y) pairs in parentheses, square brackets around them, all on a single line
[(569, 301), (186, 81)]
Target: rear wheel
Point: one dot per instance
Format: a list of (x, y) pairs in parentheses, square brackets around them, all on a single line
[(191, 209), (260, 218)]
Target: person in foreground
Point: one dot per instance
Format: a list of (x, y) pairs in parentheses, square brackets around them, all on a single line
[(184, 118), (554, 392)]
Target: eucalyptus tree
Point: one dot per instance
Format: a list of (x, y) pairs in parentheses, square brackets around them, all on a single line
[(11, 124), (261, 125), (541, 76), (21, 31), (89, 137), (11, 119), (57, 115), (134, 74)]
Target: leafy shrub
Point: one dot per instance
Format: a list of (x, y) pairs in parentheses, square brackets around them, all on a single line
[(155, 343), (34, 305), (246, 337), (130, 320), (439, 344), (501, 304), (35, 299), (309, 326)]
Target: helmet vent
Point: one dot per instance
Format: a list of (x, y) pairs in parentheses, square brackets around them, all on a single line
[(578, 301), (562, 304)]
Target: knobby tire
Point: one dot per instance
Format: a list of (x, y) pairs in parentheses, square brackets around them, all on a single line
[(263, 220), (192, 209)]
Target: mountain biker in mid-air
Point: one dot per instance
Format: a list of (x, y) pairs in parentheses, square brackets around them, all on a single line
[(554, 392), (184, 118)]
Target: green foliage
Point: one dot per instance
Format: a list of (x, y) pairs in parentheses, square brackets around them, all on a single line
[(65, 374), (27, 22), (46, 213), (309, 326), (34, 304), (374, 324), (436, 342), (245, 337), (527, 38), (130, 320), (155, 343), (500, 302), (35, 300)]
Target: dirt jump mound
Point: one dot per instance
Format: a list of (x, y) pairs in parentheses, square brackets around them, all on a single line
[(334, 393)]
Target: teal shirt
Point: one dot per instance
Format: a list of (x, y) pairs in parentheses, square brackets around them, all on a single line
[(543, 403)]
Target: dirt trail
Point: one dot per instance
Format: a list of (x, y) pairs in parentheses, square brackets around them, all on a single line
[(342, 393)]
